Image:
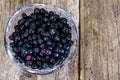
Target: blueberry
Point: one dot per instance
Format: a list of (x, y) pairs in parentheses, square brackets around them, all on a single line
[(33, 17), (28, 63), (35, 42), (64, 20), (50, 48), (38, 63), (44, 26), (20, 43), (68, 37), (52, 18), (21, 60), (46, 14), (45, 65), (57, 38), (11, 37), (40, 16), (27, 45), (38, 58), (56, 54), (33, 25), (39, 30), (31, 31), (33, 59), (63, 40), (59, 62), (37, 10), (12, 44), (34, 66), (27, 23), (43, 59), (16, 27), (49, 42), (17, 38), (17, 57), (45, 19), (25, 35), (24, 15), (40, 41), (67, 47), (43, 51), (42, 46), (62, 51), (59, 45), (23, 52), (45, 38), (52, 31), (51, 13), (60, 25), (29, 38), (37, 23), (62, 58), (51, 65), (48, 52), (48, 23), (52, 26), (22, 27), (36, 50), (21, 21), (52, 60), (30, 51), (67, 51), (42, 11)]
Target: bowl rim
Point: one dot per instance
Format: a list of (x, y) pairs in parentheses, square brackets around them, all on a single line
[(58, 67)]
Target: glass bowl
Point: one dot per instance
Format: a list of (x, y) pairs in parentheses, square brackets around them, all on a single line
[(29, 9)]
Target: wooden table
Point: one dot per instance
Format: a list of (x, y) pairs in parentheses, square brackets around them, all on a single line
[(98, 57), (8, 71)]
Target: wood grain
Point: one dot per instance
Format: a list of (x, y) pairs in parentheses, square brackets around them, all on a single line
[(100, 39), (8, 71)]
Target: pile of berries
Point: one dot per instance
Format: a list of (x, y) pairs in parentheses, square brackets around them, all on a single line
[(41, 40)]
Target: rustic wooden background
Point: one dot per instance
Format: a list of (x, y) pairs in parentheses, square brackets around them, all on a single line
[(100, 39), (8, 71), (98, 22)]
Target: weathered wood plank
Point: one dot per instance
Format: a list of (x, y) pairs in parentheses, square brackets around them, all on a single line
[(100, 39)]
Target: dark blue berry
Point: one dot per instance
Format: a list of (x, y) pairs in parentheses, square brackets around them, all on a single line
[(34, 66), (57, 38), (38, 63), (36, 50), (51, 13), (40, 41), (21, 21), (45, 65), (36, 10), (42, 11), (49, 42), (52, 18), (33, 25), (30, 51), (56, 54), (33, 17), (52, 31), (64, 20), (27, 23), (42, 45), (28, 63), (24, 15), (17, 57)]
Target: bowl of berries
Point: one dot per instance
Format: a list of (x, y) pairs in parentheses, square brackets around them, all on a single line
[(40, 38)]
